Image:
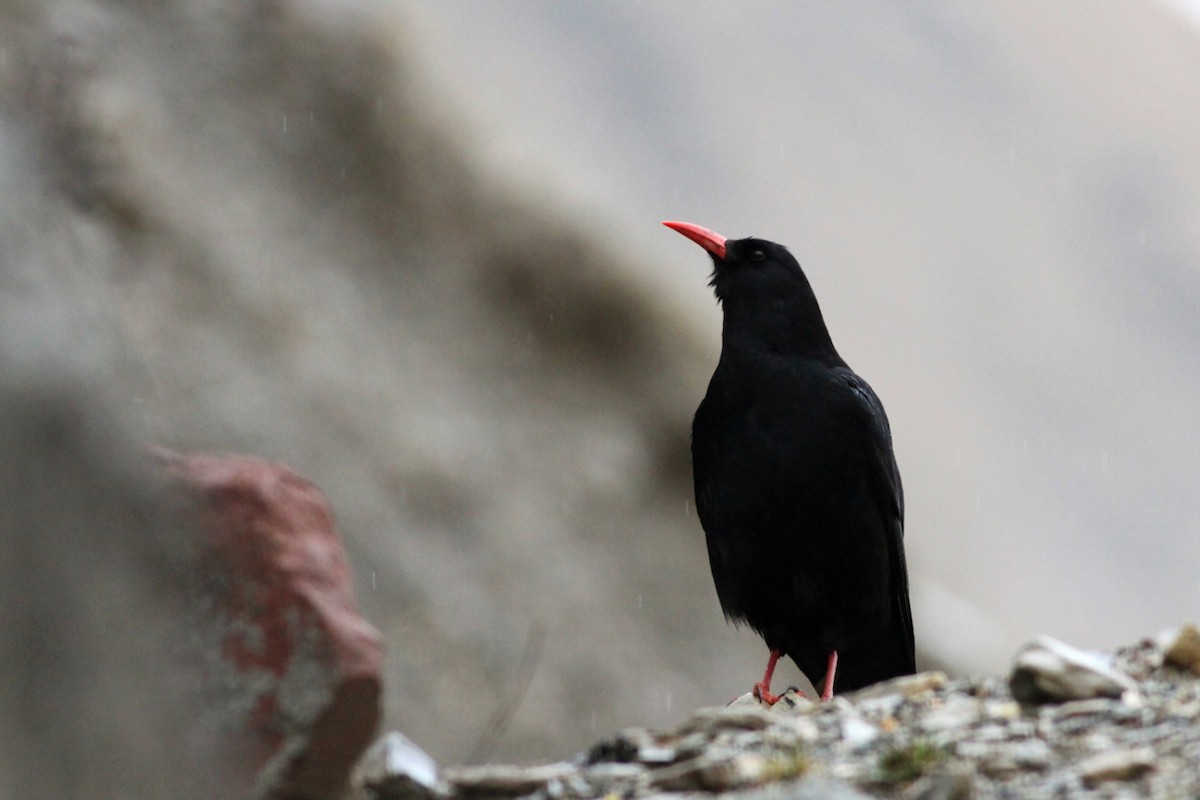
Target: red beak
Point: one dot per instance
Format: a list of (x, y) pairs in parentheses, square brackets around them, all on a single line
[(712, 242)]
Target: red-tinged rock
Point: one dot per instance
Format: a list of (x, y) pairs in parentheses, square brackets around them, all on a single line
[(295, 668)]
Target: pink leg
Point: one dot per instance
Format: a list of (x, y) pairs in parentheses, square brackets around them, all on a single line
[(762, 689), (827, 691)]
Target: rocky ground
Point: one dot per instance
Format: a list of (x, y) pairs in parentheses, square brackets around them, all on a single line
[(1064, 724)]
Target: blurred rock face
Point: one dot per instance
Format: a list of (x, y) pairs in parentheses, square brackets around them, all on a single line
[(247, 229), (95, 693), (93, 700)]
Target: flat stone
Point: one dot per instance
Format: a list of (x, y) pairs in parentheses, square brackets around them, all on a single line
[(681, 777), (908, 686), (991, 732), (1047, 670), (712, 773), (1095, 706), (503, 780), (738, 717), (1006, 758), (1116, 765), (615, 779), (615, 773)]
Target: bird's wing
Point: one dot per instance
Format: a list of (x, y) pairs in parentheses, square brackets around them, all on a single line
[(885, 458), (886, 476)]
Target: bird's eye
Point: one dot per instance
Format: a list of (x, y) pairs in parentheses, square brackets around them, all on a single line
[(758, 255)]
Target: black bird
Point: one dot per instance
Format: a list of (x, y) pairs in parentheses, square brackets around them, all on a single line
[(796, 484)]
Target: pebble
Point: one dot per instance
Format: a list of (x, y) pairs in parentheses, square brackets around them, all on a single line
[(743, 769), (881, 706), (740, 717), (857, 733), (1181, 647), (1185, 707), (1116, 765), (1011, 757), (396, 766), (907, 686), (951, 785), (956, 712), (1001, 710), (656, 754)]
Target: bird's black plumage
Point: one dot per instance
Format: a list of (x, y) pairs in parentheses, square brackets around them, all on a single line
[(796, 484)]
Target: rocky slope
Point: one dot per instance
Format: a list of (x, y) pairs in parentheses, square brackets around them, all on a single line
[(1066, 724)]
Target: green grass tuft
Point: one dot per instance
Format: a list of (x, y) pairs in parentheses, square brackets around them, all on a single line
[(907, 763), (786, 766)]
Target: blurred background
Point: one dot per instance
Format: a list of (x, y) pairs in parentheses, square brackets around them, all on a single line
[(413, 251)]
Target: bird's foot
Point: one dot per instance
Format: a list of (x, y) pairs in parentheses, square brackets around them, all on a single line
[(762, 689), (762, 692)]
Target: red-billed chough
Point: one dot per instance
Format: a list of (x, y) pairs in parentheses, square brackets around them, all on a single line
[(796, 484)]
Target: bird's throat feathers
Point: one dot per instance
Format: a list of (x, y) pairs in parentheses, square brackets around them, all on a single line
[(788, 324)]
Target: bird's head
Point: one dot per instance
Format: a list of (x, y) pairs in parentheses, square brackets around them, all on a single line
[(763, 291), (750, 270)]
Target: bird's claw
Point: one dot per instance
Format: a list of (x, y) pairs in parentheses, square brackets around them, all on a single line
[(763, 694)]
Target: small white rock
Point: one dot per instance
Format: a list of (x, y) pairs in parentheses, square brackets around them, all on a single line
[(957, 712), (1047, 670), (857, 732), (398, 764), (1001, 710), (656, 754), (793, 701)]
